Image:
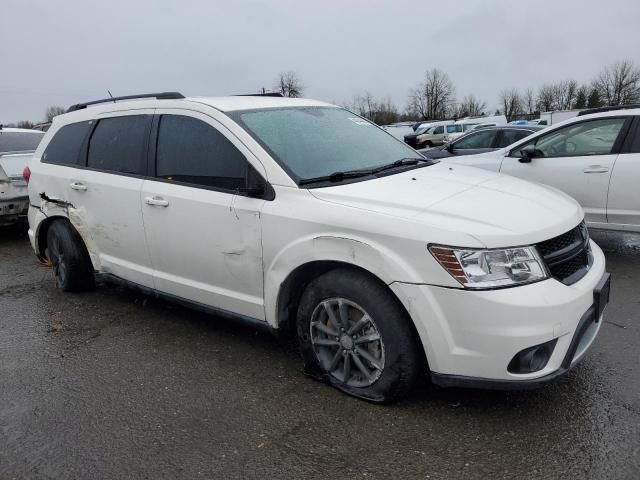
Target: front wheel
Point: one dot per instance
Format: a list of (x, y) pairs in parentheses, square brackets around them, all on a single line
[(354, 334)]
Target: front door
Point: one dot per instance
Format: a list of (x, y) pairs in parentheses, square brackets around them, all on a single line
[(577, 159), (203, 236)]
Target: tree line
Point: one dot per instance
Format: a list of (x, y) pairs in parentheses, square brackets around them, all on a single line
[(434, 98)]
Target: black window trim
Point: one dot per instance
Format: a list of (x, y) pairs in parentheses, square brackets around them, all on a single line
[(269, 194), (615, 150)]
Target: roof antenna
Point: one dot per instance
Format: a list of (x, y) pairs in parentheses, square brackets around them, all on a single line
[(110, 95)]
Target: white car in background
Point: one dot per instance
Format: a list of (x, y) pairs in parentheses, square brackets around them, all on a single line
[(594, 157), (16, 148)]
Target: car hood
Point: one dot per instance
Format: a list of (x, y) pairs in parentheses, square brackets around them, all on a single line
[(497, 210)]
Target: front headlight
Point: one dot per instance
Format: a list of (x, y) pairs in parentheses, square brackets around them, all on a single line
[(491, 268)]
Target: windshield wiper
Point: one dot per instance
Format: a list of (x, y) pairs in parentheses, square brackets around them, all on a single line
[(339, 176), (399, 163)]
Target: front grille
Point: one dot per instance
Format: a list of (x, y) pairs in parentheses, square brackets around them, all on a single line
[(567, 256)]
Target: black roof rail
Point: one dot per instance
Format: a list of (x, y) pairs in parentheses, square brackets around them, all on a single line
[(610, 108), (265, 94), (159, 96)]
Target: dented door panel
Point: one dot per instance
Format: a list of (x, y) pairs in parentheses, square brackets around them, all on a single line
[(205, 246)]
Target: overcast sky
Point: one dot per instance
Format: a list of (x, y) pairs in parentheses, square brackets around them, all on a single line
[(60, 52)]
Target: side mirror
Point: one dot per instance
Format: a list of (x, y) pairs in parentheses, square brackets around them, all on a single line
[(528, 153), (449, 147)]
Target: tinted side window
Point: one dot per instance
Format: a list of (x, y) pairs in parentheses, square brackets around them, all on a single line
[(191, 151), (438, 130), (19, 141), (480, 139), (64, 148), (512, 136), (118, 144)]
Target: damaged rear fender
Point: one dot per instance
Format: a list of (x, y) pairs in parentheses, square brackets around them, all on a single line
[(51, 211)]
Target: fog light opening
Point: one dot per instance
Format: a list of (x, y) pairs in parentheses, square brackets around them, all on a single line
[(532, 359)]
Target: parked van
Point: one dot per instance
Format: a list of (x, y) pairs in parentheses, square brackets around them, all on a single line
[(287, 212), (470, 123), (436, 133)]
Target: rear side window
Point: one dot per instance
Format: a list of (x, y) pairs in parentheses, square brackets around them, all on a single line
[(480, 139), (64, 148), (512, 136), (19, 141), (192, 151), (118, 145)]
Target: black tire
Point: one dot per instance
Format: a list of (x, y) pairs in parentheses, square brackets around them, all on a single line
[(428, 144), (401, 351), (72, 265)]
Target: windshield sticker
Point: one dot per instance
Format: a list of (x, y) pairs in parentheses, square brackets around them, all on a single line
[(359, 121)]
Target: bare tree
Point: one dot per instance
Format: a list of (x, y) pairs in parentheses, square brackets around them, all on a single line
[(24, 124), (53, 111), (529, 101), (546, 98), (470, 106), (432, 98), (381, 112), (511, 103), (565, 94), (557, 96), (619, 84), (289, 85)]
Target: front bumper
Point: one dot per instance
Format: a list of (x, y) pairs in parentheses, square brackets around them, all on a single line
[(470, 337)]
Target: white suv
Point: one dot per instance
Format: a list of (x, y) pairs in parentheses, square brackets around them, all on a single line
[(294, 212), (594, 157)]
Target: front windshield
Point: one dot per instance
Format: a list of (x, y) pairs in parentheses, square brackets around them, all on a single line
[(310, 142), (422, 130)]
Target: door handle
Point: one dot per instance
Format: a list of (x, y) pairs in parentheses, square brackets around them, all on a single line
[(596, 169), (78, 186), (156, 201)]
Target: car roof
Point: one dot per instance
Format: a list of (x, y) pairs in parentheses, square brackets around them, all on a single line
[(533, 128), (228, 104), (609, 113)]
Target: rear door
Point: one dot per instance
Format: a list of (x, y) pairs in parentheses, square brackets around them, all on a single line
[(577, 159), (105, 192), (204, 236), (623, 208)]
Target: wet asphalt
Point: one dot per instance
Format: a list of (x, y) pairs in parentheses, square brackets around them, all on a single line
[(113, 384)]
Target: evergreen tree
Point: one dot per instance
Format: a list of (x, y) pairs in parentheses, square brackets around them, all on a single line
[(594, 100)]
